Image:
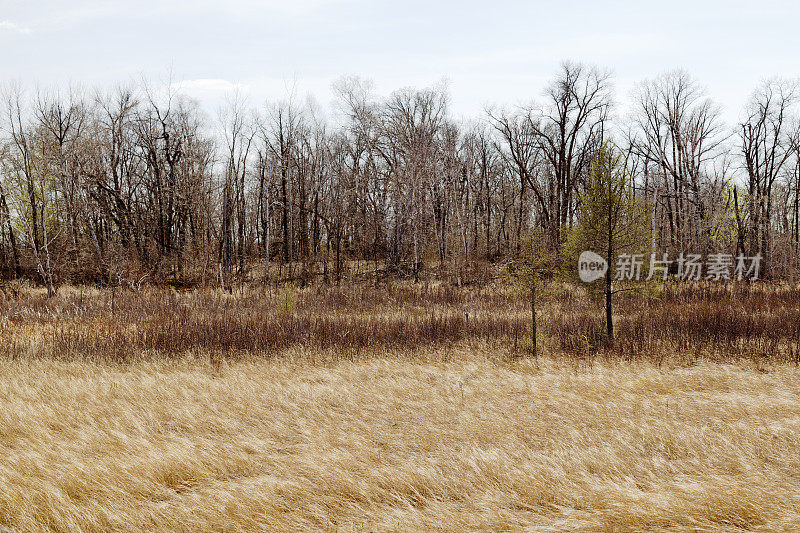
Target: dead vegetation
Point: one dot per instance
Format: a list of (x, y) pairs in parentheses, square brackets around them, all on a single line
[(397, 442), (712, 321), (397, 408), (129, 325)]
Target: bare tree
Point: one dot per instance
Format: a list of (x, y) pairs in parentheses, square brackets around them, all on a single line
[(26, 166), (677, 130), (768, 137)]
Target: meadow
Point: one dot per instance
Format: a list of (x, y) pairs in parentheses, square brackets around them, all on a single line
[(399, 407)]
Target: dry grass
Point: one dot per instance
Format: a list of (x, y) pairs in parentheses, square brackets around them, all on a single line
[(396, 444), (702, 321), (710, 321), (127, 326), (398, 408)]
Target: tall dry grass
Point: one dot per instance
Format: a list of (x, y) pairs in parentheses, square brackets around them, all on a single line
[(404, 407), (712, 321), (398, 442), (707, 320), (128, 325)]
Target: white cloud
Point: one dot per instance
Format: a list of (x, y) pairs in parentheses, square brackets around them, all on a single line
[(293, 8), (84, 11), (208, 87), (13, 27)]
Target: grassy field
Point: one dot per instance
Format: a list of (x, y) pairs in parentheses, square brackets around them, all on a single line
[(429, 423)]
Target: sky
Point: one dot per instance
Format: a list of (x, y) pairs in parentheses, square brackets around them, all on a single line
[(490, 52)]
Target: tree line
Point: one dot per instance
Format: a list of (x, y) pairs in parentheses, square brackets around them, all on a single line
[(139, 183)]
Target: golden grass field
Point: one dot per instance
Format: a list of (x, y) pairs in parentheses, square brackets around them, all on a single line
[(450, 440), (455, 431)]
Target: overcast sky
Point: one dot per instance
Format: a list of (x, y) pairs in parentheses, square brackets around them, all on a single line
[(491, 51)]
